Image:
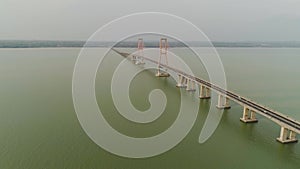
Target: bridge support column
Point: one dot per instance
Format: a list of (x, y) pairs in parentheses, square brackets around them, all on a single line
[(133, 58), (287, 136), (248, 116), (204, 92), (223, 102), (139, 60), (161, 74), (181, 81), (190, 85)]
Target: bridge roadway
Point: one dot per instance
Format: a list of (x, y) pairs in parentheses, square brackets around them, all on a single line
[(277, 117)]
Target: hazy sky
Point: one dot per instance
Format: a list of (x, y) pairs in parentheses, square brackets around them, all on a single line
[(221, 20)]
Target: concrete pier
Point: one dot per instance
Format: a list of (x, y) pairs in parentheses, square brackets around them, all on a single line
[(182, 81), (204, 92), (248, 116), (133, 58), (223, 102), (190, 86), (139, 59), (287, 136), (139, 62), (162, 74)]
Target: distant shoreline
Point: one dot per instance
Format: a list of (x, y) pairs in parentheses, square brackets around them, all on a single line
[(150, 44)]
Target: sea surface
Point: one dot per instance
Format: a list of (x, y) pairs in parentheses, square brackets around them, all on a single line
[(39, 128)]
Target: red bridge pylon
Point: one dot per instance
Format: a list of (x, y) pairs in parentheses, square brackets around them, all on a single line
[(163, 53), (138, 58)]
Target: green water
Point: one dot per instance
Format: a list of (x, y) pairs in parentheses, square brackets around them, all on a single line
[(39, 127)]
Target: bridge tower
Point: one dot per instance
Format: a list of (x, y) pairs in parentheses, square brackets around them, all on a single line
[(139, 57), (163, 53)]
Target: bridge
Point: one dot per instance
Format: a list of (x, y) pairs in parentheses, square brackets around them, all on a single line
[(289, 127)]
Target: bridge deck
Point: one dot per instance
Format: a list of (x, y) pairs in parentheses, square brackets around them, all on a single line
[(275, 116)]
